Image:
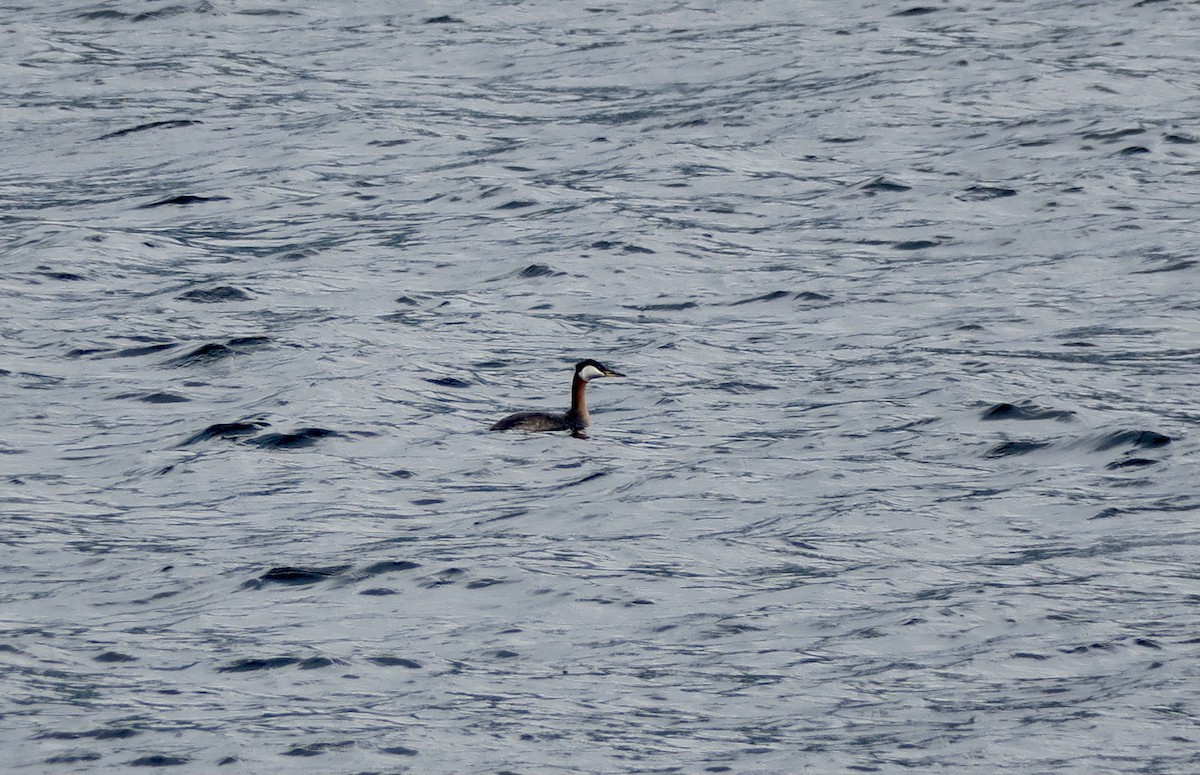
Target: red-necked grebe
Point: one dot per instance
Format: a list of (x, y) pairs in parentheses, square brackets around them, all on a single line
[(574, 419)]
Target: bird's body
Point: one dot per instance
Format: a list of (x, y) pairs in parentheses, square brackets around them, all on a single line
[(574, 419), (539, 421)]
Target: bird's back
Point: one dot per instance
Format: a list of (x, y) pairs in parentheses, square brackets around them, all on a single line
[(533, 421)]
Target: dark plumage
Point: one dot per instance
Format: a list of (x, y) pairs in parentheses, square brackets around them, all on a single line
[(574, 419)]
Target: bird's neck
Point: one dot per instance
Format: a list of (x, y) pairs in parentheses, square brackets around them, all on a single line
[(579, 412)]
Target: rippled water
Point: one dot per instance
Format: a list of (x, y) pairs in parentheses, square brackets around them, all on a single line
[(903, 475)]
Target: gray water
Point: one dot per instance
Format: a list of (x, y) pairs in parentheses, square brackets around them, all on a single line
[(902, 476)]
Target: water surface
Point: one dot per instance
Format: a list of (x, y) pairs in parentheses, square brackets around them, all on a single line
[(902, 476)]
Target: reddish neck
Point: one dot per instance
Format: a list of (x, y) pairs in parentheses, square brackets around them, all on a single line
[(579, 412)]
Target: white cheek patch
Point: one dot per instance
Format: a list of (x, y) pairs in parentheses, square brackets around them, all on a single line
[(590, 372)]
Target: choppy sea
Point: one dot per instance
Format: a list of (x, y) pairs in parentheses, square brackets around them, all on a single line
[(904, 475)]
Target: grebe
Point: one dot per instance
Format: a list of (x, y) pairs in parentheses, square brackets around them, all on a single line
[(574, 419)]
